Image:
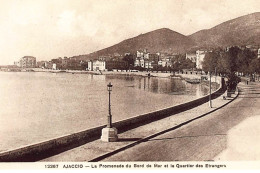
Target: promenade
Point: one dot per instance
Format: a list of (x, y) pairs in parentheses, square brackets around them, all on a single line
[(198, 134)]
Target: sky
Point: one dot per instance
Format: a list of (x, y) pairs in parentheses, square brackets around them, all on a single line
[(50, 29)]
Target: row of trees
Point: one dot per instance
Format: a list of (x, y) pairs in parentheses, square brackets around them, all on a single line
[(235, 59)]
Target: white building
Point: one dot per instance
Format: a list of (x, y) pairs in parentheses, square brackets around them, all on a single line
[(258, 53), (148, 65), (200, 55), (142, 56), (139, 54), (54, 66), (191, 56), (97, 65), (137, 62), (142, 63)]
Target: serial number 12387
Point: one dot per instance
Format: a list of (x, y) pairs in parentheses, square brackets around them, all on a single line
[(51, 166)]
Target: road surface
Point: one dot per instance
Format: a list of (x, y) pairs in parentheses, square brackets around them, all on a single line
[(206, 138)]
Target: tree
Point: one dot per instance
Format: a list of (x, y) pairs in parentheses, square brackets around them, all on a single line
[(129, 58), (232, 82), (180, 63), (244, 60), (210, 61), (254, 66)]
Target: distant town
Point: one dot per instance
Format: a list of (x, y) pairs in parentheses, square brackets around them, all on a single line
[(142, 60)]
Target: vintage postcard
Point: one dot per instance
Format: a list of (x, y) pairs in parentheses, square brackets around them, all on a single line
[(129, 84)]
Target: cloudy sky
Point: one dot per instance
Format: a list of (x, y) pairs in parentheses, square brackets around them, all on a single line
[(49, 29)]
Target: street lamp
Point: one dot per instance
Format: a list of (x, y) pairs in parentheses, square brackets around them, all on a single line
[(210, 102), (109, 117), (109, 133), (216, 78)]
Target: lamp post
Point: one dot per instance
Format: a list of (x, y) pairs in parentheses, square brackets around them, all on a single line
[(109, 133), (210, 102), (109, 117), (216, 77)]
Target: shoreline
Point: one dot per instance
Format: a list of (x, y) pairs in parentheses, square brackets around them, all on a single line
[(159, 74), (123, 72)]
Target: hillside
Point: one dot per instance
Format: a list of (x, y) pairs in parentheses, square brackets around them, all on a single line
[(163, 40), (243, 30)]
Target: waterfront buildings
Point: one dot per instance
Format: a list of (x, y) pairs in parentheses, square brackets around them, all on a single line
[(54, 66), (40, 64), (43, 64), (26, 62), (104, 65), (148, 60), (96, 65), (56, 63), (71, 63)]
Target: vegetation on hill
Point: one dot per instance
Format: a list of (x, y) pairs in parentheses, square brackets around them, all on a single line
[(240, 31), (161, 40)]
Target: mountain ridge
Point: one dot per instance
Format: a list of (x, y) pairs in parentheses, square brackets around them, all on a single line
[(243, 30), (231, 32)]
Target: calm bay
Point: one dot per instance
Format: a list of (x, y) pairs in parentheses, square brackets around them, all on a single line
[(38, 106)]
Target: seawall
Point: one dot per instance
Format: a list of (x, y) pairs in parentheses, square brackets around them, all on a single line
[(51, 147)]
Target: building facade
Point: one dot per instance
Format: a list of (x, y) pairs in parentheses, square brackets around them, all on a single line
[(42, 64), (97, 65), (146, 60), (200, 55), (26, 62)]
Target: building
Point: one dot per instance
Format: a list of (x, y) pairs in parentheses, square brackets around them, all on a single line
[(191, 56), (54, 66), (48, 65), (146, 60), (97, 65), (200, 55), (258, 53), (17, 63), (57, 62), (75, 64), (166, 62), (42, 64), (26, 62), (148, 64), (64, 63), (154, 57), (141, 54), (104, 58)]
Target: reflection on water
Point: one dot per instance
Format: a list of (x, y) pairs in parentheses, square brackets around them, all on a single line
[(38, 106), (162, 85)]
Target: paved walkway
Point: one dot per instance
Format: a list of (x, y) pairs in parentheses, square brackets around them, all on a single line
[(203, 138)]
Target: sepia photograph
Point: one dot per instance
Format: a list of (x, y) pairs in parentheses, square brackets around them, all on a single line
[(122, 84)]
